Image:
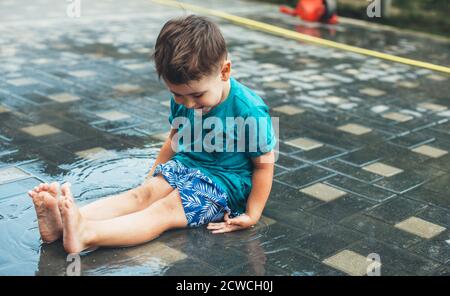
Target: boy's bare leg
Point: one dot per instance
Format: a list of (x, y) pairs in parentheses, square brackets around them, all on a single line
[(127, 202), (136, 228), (45, 202)]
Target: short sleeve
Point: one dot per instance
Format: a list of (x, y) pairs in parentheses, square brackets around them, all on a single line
[(175, 110), (259, 134)]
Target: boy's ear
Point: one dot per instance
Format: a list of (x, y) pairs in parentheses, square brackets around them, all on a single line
[(225, 73)]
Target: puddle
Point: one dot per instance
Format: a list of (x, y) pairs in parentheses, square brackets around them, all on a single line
[(99, 175), (110, 173)]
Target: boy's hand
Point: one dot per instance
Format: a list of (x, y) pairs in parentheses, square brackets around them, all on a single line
[(232, 224)]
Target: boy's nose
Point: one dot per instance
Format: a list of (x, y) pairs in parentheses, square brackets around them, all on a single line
[(189, 103)]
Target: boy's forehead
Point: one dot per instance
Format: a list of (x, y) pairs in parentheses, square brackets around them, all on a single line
[(194, 86)]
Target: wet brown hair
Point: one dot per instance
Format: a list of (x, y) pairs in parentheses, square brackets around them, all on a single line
[(188, 48)]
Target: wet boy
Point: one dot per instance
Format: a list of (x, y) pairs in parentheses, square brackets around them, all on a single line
[(220, 175)]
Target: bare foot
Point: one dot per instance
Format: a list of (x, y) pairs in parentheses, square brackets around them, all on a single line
[(45, 202), (74, 234)]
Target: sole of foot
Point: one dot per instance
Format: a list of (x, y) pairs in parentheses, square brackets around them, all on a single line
[(45, 203)]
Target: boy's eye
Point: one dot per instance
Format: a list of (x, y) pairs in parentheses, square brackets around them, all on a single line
[(198, 96)]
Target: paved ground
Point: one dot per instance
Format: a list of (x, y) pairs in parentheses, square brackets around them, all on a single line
[(363, 164)]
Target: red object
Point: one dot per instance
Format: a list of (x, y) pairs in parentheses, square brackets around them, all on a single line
[(311, 11)]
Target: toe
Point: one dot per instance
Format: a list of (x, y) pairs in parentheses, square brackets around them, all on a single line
[(67, 204), (54, 188), (45, 187), (65, 190), (61, 204), (40, 187)]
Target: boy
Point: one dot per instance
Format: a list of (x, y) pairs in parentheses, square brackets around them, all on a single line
[(194, 180)]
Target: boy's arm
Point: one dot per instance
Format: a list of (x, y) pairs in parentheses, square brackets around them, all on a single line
[(261, 186), (165, 153)]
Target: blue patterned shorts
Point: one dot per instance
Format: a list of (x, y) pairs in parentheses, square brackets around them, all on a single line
[(203, 201)]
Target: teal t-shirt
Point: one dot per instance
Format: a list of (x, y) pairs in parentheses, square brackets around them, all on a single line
[(222, 142)]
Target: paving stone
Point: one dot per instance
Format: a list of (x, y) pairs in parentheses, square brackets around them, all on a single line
[(436, 215), (296, 218), (287, 195), (407, 84), (158, 250), (372, 92), (437, 248), (420, 227), (396, 210), (377, 229), (411, 140), (336, 238), (367, 191), (305, 144), (341, 208), (323, 192), (430, 151), (82, 73), (432, 107), (64, 98), (94, 153), (161, 136), (17, 187), (361, 157), (396, 116), (442, 163), (9, 174), (402, 183), (128, 88), (137, 66), (396, 258), (184, 268), (3, 109), (436, 77), (305, 176), (348, 170), (440, 185), (319, 154), (22, 81), (355, 129), (289, 162), (112, 115), (252, 269), (289, 109), (298, 265), (278, 85), (382, 169), (40, 130), (350, 262)]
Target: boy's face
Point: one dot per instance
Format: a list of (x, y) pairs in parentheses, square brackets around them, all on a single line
[(205, 93)]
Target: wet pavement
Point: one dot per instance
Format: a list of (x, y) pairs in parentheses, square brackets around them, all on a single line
[(363, 162)]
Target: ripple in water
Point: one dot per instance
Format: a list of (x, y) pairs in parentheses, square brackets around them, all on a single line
[(109, 172), (102, 174)]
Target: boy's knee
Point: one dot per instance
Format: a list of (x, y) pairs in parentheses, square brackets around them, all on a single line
[(142, 194), (171, 202)]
